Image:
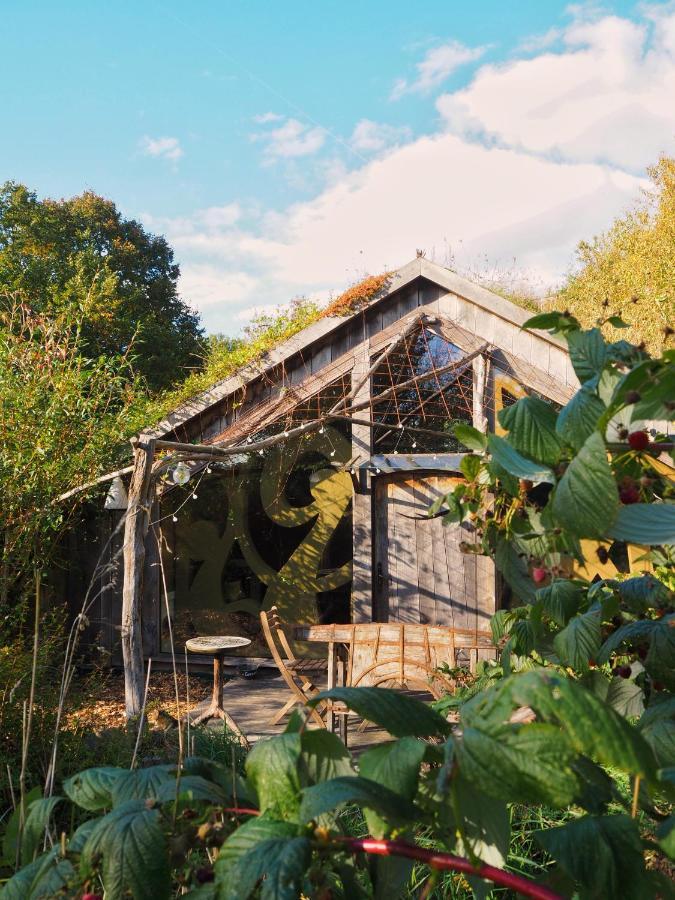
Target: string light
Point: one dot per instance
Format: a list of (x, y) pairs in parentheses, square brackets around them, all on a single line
[(174, 518), (322, 430), (208, 470), (414, 444), (194, 496)]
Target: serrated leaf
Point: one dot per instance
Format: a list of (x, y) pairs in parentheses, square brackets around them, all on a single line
[(39, 813), (400, 714), (470, 437), (324, 756), (272, 769), (92, 789), (396, 766), (586, 499), (133, 850), (485, 825), (231, 782), (278, 863), (589, 724), (626, 697), (44, 878), (516, 464), (194, 788), (651, 524), (579, 641), (143, 784), (529, 764), (330, 796), (602, 854), (630, 632), (588, 353), (560, 599), (580, 417), (531, 424)]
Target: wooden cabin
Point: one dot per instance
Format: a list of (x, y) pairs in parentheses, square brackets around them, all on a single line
[(333, 525)]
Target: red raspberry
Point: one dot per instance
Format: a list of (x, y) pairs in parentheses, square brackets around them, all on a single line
[(629, 494), (539, 574), (638, 440)]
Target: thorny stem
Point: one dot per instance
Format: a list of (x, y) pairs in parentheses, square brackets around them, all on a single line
[(442, 862), (448, 863)]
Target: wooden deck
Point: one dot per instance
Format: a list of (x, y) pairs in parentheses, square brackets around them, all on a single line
[(252, 702)]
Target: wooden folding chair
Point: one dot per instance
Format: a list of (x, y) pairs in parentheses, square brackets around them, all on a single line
[(295, 671)]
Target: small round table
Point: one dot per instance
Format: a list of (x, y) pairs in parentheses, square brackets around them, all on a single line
[(216, 647)]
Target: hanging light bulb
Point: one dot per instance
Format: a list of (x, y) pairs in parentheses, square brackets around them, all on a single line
[(322, 430), (332, 452), (414, 443), (209, 470), (194, 496), (181, 474), (400, 425), (174, 518)]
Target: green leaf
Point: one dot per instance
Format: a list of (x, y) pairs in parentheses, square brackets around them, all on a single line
[(588, 353), (92, 789), (470, 437), (579, 641), (133, 848), (602, 854), (551, 321), (470, 466), (272, 769), (45, 877), (560, 599), (514, 570), (486, 823), (657, 727), (586, 499), (517, 465), (324, 756), (39, 813), (660, 659), (528, 764), (143, 784), (630, 632), (645, 523), (531, 424), (395, 765), (279, 863), (332, 795), (222, 775), (193, 788), (11, 835), (579, 419), (617, 322), (399, 713), (247, 836), (665, 835), (389, 875), (589, 724), (626, 697)]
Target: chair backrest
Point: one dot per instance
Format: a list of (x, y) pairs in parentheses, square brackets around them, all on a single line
[(397, 653), (276, 637)]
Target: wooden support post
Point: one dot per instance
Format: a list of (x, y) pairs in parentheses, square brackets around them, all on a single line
[(135, 531), (480, 376), (362, 586)]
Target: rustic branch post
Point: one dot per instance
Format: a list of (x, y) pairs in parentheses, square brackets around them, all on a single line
[(135, 531)]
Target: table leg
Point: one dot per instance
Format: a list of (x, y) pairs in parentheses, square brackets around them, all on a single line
[(341, 673)]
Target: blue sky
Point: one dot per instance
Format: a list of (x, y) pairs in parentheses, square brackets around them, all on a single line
[(288, 148)]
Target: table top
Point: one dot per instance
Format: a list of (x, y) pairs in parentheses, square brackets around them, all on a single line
[(216, 643)]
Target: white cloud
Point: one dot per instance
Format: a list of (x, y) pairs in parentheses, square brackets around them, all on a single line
[(437, 65), (533, 156), (208, 288), (606, 98), (292, 139), (162, 147), (370, 137), (266, 118)]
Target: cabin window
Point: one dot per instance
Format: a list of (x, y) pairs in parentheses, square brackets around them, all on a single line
[(419, 417)]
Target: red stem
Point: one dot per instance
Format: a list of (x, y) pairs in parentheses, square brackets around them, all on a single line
[(440, 861), (447, 862)]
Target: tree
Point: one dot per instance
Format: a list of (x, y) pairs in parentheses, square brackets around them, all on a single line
[(634, 264), (82, 255)]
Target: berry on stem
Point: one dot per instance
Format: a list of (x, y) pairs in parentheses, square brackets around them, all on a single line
[(539, 574), (638, 440)]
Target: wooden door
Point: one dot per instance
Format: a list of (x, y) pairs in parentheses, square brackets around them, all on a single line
[(420, 574)]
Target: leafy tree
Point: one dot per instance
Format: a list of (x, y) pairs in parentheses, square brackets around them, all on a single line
[(82, 255), (633, 264)]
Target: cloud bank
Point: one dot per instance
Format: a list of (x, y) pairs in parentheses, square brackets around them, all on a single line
[(530, 156)]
